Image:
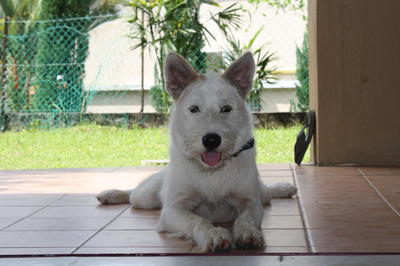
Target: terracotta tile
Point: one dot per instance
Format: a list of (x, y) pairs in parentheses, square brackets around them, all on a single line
[(285, 238), (77, 201), (134, 250), (132, 212), (282, 222), (4, 222), (282, 207), (35, 251), (389, 187), (350, 215), (87, 212), (273, 166), (335, 189), (33, 239), (135, 169), (393, 171), (286, 173), (60, 224), (138, 223), (140, 238), (8, 184), (17, 212), (356, 249), (272, 249), (37, 189), (325, 170), (375, 239), (23, 200), (333, 196)]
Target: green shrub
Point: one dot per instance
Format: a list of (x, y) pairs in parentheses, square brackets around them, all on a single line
[(302, 87)]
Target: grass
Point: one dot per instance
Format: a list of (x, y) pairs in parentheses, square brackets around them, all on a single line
[(101, 146)]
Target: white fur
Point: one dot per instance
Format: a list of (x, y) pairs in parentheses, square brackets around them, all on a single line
[(192, 194)]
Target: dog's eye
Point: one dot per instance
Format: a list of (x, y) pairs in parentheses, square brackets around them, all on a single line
[(194, 109), (226, 109)]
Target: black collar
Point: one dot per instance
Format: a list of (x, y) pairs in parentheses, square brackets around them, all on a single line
[(249, 144)]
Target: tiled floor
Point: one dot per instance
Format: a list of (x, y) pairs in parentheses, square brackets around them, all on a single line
[(338, 210)]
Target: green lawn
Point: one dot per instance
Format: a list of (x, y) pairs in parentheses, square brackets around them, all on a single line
[(104, 146)]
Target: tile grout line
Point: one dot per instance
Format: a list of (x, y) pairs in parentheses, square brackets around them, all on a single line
[(38, 210), (378, 192), (302, 213), (101, 228)]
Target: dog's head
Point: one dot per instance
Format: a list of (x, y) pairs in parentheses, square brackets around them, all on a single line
[(210, 120)]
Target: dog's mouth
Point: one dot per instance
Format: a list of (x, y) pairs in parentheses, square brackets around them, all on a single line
[(211, 158)]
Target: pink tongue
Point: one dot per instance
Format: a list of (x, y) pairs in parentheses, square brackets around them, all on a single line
[(211, 157)]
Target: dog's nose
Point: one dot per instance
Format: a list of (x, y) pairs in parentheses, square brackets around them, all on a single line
[(211, 141)]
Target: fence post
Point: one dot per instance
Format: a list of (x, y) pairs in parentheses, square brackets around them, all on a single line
[(3, 119), (142, 70)]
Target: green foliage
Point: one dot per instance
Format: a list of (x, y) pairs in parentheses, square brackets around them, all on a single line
[(291, 4), (45, 54), (162, 25), (302, 87), (157, 99), (19, 10), (59, 74), (264, 70)]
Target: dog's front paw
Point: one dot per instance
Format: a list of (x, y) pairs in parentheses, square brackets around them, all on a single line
[(113, 196), (215, 239), (247, 237)]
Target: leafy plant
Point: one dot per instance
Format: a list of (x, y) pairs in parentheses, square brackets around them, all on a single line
[(264, 70), (292, 4), (162, 25), (302, 87), (157, 99)]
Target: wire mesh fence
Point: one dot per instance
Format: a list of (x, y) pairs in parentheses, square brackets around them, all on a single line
[(55, 72), (44, 65)]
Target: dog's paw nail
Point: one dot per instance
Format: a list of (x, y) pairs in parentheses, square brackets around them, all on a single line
[(216, 240), (224, 245), (248, 238)]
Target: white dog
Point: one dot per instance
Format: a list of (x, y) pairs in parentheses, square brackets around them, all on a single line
[(212, 176)]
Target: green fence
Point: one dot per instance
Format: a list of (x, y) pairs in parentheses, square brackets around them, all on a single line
[(55, 72), (43, 65), (48, 80)]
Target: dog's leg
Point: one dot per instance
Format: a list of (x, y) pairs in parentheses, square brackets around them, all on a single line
[(144, 196), (265, 194), (147, 194), (282, 190), (277, 190), (113, 196), (178, 218), (246, 229)]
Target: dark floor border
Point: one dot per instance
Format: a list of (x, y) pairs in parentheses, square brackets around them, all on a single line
[(247, 254)]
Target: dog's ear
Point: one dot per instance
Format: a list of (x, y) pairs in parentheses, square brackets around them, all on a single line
[(178, 75), (241, 73)]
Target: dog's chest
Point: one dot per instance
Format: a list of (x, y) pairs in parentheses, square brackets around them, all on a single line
[(224, 210)]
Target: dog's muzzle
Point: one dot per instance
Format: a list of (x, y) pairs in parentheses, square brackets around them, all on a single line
[(211, 141)]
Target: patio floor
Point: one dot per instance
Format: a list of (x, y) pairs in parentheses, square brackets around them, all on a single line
[(338, 210)]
